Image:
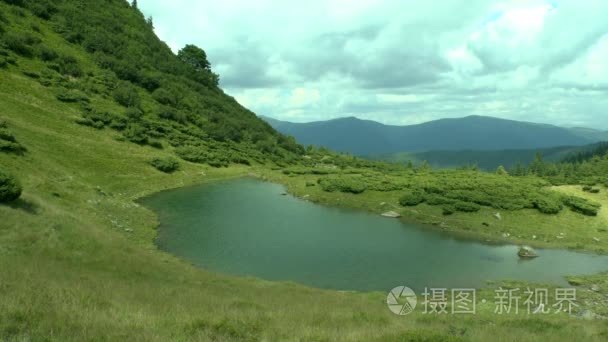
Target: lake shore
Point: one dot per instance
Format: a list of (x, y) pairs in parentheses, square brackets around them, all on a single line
[(567, 230)]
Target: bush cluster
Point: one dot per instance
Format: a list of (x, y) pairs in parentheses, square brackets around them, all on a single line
[(591, 189), (22, 43), (100, 120), (126, 95), (72, 96), (8, 142), (10, 188), (66, 65), (412, 198), (354, 185), (582, 205), (549, 204), (167, 165), (202, 155)]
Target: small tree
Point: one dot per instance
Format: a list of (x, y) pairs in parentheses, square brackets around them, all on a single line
[(194, 57), (501, 171), (134, 4)]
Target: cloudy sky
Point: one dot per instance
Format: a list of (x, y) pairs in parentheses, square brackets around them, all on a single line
[(402, 61)]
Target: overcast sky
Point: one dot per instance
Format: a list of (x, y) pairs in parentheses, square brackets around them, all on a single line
[(402, 61)]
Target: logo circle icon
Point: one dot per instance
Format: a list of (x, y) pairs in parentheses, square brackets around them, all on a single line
[(401, 300)]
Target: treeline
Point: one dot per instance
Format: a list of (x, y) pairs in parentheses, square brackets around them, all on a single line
[(587, 153), (589, 168)]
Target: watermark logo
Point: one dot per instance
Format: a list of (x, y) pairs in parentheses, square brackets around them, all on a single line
[(437, 301), (401, 300)]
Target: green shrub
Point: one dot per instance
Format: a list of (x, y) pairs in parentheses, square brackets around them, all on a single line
[(435, 199), (594, 191), (448, 210), (43, 9), (91, 123), (192, 154), (126, 94), (8, 142), (581, 205), (353, 185), (548, 205), (10, 189), (136, 134), (172, 114), (5, 134), (134, 113), (467, 207), (200, 155), (31, 74), (165, 97), (47, 54), (21, 43), (11, 147), (412, 198), (155, 143), (72, 95), (100, 120), (587, 188), (67, 65), (167, 165)]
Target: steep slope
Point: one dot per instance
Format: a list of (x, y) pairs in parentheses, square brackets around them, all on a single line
[(469, 133), (106, 62)]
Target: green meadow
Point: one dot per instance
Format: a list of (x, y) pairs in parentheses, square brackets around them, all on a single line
[(92, 136)]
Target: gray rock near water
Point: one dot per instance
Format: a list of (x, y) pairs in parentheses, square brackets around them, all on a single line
[(527, 252), (391, 214)]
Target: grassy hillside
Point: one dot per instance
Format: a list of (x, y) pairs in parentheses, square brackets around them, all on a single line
[(79, 264), (76, 250)]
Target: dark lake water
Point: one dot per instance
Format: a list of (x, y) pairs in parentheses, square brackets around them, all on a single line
[(245, 227)]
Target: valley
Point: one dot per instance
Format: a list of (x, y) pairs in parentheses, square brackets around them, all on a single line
[(99, 116)]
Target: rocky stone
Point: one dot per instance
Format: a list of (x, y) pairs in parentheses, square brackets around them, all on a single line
[(595, 288), (391, 214), (596, 239), (586, 315), (527, 252), (498, 216)]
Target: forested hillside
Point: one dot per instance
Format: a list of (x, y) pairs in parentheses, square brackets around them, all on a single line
[(107, 61)]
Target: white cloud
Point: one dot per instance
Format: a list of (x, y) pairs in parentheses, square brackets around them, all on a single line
[(402, 61)]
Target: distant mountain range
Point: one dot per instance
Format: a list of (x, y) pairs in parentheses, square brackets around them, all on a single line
[(370, 138)]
